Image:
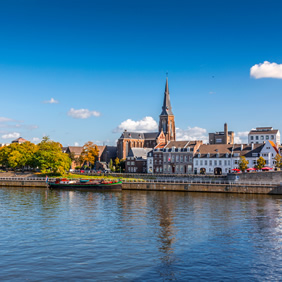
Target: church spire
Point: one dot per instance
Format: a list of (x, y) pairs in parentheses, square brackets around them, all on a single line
[(166, 109)]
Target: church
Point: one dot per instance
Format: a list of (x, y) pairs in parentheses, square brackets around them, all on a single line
[(129, 140)]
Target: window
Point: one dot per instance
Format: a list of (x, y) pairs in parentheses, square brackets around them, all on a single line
[(252, 137), (172, 158), (164, 159), (272, 137), (190, 158), (201, 162), (157, 169), (228, 162), (181, 168), (164, 168), (267, 137), (181, 158), (225, 162), (219, 162), (161, 170), (128, 163), (151, 161), (257, 137), (132, 163), (261, 137), (206, 162), (177, 158), (186, 159), (177, 168), (210, 162), (254, 162), (236, 162), (215, 162), (160, 162), (196, 162)]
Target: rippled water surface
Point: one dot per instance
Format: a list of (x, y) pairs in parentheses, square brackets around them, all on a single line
[(136, 236)]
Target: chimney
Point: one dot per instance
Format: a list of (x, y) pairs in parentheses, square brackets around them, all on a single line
[(252, 144), (242, 147), (226, 133)]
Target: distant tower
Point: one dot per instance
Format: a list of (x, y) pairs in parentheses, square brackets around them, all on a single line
[(167, 123)]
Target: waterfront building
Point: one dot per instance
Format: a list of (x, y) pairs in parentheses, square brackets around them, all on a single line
[(262, 134), (150, 162), (222, 158), (158, 158), (222, 137), (129, 140), (178, 156), (136, 161)]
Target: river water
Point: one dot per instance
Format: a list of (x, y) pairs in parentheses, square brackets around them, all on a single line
[(137, 236)]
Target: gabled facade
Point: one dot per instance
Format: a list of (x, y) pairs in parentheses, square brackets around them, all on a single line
[(136, 161)]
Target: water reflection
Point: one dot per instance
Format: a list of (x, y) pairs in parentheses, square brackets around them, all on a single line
[(133, 235)]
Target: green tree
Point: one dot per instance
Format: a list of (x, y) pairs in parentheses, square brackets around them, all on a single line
[(89, 153), (111, 165), (278, 161), (49, 156), (260, 163), (243, 163)]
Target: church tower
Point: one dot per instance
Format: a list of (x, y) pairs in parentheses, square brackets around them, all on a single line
[(166, 123)]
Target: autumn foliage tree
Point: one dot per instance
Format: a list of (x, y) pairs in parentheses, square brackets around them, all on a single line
[(243, 163), (49, 156), (260, 163), (278, 161), (89, 153)]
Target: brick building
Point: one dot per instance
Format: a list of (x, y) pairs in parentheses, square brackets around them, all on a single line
[(222, 137), (136, 161)]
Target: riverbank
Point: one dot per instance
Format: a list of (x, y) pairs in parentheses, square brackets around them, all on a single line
[(179, 186)]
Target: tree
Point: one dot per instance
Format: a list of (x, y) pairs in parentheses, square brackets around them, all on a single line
[(260, 163), (49, 156), (278, 161), (111, 165), (89, 153), (117, 164), (243, 163)]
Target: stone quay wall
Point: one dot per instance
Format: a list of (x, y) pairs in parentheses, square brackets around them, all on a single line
[(23, 182), (270, 177), (205, 187)]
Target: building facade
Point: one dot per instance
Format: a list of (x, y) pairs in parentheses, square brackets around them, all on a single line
[(136, 161), (261, 135), (222, 137)]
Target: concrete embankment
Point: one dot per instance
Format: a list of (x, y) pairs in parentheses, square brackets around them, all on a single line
[(17, 182), (205, 187)]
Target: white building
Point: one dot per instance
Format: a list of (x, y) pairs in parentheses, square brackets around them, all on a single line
[(222, 158), (261, 135), (150, 162)]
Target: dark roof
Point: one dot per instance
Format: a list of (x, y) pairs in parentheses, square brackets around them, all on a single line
[(274, 131), (74, 149), (166, 109), (139, 135), (223, 149), (176, 144)]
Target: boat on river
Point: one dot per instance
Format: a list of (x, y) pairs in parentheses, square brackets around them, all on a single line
[(85, 184)]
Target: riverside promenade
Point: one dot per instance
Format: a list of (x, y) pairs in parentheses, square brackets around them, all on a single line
[(218, 185)]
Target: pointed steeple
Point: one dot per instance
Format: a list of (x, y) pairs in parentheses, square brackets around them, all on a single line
[(166, 109)]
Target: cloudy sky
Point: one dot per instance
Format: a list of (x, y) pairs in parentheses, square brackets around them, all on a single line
[(85, 70)]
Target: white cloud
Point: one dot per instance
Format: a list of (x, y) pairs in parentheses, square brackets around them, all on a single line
[(82, 113), (51, 101), (76, 144), (266, 69), (4, 119), (146, 124), (192, 133), (241, 137), (11, 135), (35, 140)]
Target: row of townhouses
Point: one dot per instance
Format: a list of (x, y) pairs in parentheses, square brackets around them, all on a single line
[(194, 157)]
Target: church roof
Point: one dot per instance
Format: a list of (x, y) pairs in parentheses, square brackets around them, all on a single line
[(166, 109), (139, 135)]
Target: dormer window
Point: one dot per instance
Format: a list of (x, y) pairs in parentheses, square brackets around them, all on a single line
[(217, 155), (226, 155), (199, 155), (208, 155)]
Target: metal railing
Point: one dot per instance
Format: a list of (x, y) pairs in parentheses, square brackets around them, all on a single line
[(23, 178)]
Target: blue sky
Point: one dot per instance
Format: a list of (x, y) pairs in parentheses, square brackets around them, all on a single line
[(105, 62)]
